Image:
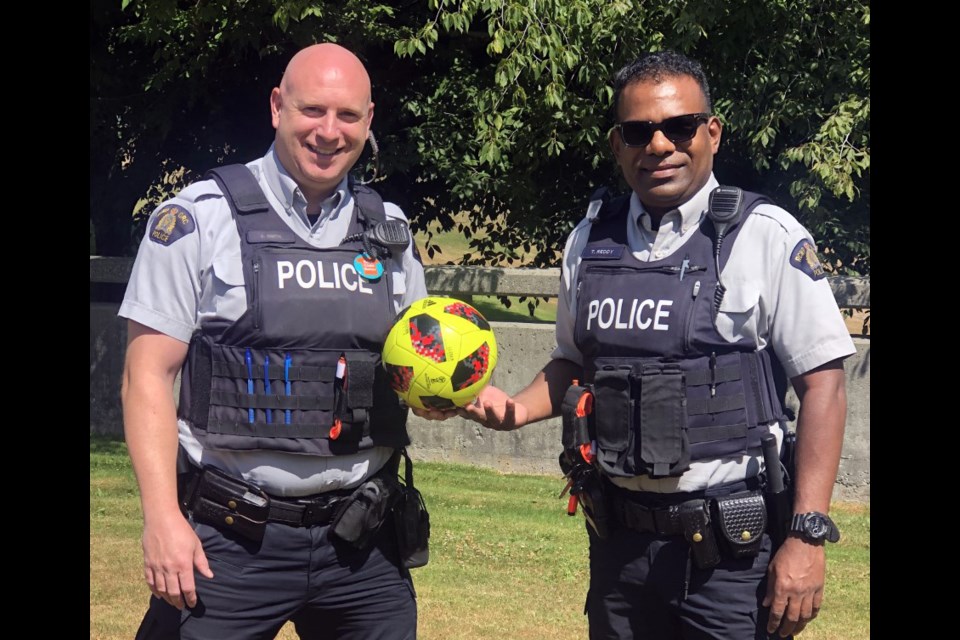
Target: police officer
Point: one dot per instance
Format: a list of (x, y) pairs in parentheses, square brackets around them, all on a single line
[(682, 312), (259, 284)]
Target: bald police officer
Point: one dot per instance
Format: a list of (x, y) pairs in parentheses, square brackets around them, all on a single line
[(683, 310), (256, 284)]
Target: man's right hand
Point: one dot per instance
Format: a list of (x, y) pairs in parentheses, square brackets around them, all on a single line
[(496, 410), (171, 551)]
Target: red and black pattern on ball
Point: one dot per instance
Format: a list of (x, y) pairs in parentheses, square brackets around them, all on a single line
[(426, 337), (436, 402), (464, 310), (399, 376), (471, 369)]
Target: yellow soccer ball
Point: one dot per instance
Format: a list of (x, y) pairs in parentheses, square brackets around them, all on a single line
[(439, 353)]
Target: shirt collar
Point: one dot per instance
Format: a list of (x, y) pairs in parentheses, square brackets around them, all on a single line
[(691, 211), (285, 188)]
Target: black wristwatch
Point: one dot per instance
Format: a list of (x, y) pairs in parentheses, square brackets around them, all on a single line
[(815, 527)]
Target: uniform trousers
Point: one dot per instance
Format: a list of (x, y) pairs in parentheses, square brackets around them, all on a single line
[(645, 586), (325, 587)]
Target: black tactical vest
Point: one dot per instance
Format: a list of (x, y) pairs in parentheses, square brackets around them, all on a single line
[(668, 389), (300, 370)]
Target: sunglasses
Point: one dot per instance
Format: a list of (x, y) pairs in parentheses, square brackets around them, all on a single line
[(639, 133)]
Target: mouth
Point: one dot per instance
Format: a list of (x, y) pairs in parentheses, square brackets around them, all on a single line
[(322, 153), (662, 170)]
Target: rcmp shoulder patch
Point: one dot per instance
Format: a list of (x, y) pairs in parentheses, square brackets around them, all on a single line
[(804, 257), (171, 223)]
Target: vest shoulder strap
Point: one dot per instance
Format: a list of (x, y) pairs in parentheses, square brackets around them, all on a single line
[(241, 189), (369, 203)]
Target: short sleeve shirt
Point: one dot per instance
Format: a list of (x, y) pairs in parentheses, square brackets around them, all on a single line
[(771, 296), (194, 274)]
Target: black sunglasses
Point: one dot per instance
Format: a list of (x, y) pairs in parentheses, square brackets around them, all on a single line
[(639, 133)]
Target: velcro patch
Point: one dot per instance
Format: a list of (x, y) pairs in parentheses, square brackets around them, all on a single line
[(172, 223), (804, 257)]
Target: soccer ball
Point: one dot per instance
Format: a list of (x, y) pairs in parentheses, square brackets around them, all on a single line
[(439, 353)]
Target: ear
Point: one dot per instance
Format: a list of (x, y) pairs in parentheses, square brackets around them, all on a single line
[(715, 130), (616, 142), (275, 103)]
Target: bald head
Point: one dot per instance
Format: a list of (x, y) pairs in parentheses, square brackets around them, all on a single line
[(326, 61), (322, 113)]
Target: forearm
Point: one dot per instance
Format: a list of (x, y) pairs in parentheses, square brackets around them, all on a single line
[(149, 417), (820, 428), (150, 429), (544, 395)]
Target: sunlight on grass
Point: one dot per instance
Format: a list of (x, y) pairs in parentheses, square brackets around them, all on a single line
[(505, 559)]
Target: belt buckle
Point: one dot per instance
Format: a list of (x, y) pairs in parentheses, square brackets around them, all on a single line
[(316, 511)]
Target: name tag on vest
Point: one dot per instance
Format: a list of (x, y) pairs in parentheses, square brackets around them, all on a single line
[(602, 253)]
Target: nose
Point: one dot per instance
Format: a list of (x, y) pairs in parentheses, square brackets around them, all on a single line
[(327, 127), (660, 145)]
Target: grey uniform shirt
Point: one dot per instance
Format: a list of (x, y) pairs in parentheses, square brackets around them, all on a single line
[(198, 277), (779, 305)]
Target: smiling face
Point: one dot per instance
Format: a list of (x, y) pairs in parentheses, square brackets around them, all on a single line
[(665, 174), (322, 113)]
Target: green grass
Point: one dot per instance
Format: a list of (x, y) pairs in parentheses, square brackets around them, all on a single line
[(505, 560)]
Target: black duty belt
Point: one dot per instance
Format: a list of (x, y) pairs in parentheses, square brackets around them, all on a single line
[(222, 499), (664, 521)]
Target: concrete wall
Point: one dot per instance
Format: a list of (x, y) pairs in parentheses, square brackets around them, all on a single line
[(524, 349)]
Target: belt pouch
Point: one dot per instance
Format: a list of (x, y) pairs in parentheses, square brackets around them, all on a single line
[(413, 528), (230, 505), (695, 521), (613, 413), (741, 520), (360, 515), (412, 521), (663, 421)]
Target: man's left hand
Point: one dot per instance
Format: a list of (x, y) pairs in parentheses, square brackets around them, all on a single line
[(795, 586)]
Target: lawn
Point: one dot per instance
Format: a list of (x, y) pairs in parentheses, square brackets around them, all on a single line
[(506, 563)]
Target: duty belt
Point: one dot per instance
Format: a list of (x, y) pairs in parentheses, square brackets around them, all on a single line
[(217, 498), (664, 521)]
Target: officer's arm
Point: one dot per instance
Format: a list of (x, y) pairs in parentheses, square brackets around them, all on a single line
[(152, 362), (797, 571), (171, 549), (539, 400), (820, 427), (544, 395)]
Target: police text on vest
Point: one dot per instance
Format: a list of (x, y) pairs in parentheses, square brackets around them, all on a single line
[(643, 313), (308, 275)]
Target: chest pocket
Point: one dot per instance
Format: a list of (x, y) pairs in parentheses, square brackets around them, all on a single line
[(230, 297), (739, 314)]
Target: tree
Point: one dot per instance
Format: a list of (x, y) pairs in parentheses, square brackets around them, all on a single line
[(501, 108)]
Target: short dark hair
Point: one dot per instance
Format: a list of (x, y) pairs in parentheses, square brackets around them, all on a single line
[(657, 66)]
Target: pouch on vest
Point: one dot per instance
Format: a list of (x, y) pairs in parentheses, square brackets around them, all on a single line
[(613, 413), (664, 446)]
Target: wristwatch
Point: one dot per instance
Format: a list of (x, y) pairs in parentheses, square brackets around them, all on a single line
[(814, 526)]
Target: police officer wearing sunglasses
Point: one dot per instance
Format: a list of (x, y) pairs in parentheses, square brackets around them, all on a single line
[(683, 311)]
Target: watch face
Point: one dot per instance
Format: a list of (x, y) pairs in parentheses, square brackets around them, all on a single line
[(815, 526)]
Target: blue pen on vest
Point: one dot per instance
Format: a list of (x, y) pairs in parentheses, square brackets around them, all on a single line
[(249, 360), (266, 384), (286, 382)]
